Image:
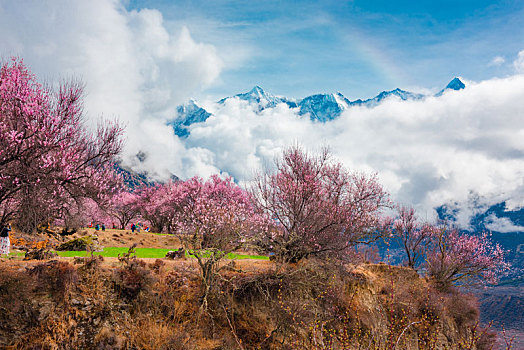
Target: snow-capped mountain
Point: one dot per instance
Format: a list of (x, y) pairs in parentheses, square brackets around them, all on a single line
[(323, 107), (319, 107), (262, 98), (402, 94), (456, 84), (187, 114)]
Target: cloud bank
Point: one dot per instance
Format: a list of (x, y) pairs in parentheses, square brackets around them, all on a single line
[(134, 68), (138, 69), (427, 152)]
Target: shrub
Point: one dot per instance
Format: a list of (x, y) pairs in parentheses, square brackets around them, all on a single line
[(463, 308), (90, 262), (149, 334), (487, 340), (57, 277), (19, 312), (106, 339), (80, 244), (157, 265), (132, 277), (39, 254)]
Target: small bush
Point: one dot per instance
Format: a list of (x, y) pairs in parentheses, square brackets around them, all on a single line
[(463, 308), (39, 254), (18, 312), (176, 254), (80, 244), (487, 340), (432, 306), (151, 335), (157, 265), (89, 262), (106, 339), (57, 277), (133, 277)]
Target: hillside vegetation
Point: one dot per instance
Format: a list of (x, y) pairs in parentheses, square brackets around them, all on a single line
[(134, 304)]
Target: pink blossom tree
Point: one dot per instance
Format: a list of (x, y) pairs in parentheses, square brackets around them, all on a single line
[(83, 213), (317, 206), (215, 217), (155, 206), (92, 212), (459, 258), (124, 207), (47, 155), (217, 212), (411, 235)]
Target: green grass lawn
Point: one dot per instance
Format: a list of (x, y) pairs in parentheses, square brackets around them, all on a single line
[(112, 252), (147, 253), (16, 254)]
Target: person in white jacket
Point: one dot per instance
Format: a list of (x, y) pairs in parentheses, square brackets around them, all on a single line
[(5, 243)]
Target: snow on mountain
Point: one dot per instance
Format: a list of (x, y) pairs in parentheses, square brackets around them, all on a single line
[(323, 107), (187, 114), (398, 93), (456, 84), (319, 107), (258, 96)]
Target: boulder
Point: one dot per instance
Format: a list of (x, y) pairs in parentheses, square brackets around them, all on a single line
[(176, 254), (80, 244)]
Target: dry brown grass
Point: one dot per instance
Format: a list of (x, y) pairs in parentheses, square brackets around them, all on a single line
[(126, 238), (257, 305), (107, 238)]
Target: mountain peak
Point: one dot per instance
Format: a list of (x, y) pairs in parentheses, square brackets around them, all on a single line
[(456, 84), (399, 93), (192, 102), (257, 90)]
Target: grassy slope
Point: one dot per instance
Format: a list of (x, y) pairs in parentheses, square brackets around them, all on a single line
[(147, 253)]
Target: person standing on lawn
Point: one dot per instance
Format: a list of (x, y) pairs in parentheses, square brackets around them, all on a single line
[(5, 243)]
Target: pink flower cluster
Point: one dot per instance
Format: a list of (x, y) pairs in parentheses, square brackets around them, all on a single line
[(317, 206), (217, 212), (46, 153), (457, 257), (412, 235)]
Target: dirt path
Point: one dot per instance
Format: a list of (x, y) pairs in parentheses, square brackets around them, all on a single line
[(126, 238)]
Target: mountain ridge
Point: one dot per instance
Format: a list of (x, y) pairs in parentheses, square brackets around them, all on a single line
[(322, 107)]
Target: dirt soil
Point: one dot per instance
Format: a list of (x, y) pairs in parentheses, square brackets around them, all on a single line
[(111, 238), (126, 238), (248, 266)]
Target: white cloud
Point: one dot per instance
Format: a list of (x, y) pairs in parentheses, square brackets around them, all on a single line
[(503, 225), (497, 61), (429, 152), (134, 68), (519, 62)]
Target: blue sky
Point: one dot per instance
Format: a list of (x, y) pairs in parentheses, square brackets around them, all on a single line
[(296, 48)]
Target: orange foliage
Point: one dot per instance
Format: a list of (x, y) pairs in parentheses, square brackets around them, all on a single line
[(21, 242)]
